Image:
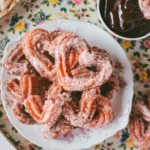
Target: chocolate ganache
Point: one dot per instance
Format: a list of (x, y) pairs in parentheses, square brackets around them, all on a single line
[(124, 17)]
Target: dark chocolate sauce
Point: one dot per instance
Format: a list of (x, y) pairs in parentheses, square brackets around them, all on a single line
[(124, 17)]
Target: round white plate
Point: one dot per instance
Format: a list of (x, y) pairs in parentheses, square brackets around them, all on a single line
[(95, 36)]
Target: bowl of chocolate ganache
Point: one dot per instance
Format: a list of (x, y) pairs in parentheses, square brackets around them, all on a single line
[(124, 19)]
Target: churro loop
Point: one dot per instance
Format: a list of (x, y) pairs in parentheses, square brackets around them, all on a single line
[(86, 110), (33, 105), (13, 87), (16, 63), (88, 59), (27, 85), (47, 112), (34, 44), (142, 109), (139, 132), (103, 114), (33, 85), (37, 45)]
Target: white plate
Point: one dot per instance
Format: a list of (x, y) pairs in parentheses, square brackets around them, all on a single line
[(95, 36)]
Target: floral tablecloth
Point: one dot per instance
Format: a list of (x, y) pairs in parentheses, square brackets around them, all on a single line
[(33, 12)]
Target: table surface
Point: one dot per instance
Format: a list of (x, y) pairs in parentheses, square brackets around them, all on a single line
[(34, 12)]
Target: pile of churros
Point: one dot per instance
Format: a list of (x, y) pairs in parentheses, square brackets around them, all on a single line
[(60, 82)]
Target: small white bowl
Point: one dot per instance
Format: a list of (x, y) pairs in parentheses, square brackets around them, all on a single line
[(112, 32)]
